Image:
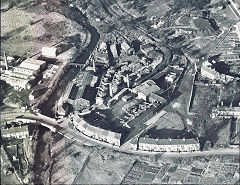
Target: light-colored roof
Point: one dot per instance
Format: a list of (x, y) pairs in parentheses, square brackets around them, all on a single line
[(125, 46), (35, 61), (167, 141), (14, 130), (31, 66), (209, 70), (235, 109)]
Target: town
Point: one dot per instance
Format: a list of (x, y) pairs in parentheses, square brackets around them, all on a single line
[(153, 86)]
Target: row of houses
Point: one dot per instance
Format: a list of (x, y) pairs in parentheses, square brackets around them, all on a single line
[(226, 112), (19, 132), (96, 132), (166, 145), (212, 74)]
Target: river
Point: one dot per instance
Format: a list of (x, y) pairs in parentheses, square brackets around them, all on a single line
[(76, 15), (43, 158)]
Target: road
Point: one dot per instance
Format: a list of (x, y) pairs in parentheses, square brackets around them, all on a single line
[(67, 129)]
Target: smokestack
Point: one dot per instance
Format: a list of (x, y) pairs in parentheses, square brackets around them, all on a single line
[(231, 104), (94, 67), (221, 103), (110, 90), (128, 81), (5, 58)]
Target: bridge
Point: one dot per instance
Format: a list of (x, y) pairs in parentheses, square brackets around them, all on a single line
[(28, 117)]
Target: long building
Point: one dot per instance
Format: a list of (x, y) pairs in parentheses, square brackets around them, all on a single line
[(226, 112), (19, 132), (168, 145), (96, 132)]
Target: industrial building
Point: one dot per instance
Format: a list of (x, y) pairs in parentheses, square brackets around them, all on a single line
[(209, 73), (21, 77)]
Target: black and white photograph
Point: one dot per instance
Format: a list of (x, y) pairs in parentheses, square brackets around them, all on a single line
[(120, 92)]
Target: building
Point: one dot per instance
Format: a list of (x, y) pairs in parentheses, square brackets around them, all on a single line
[(48, 74), (128, 97), (113, 49), (154, 54), (49, 52), (209, 73), (101, 59), (125, 47), (31, 66), (146, 48), (154, 98), (36, 93), (102, 46), (168, 145), (19, 132), (17, 83), (226, 112), (146, 89), (95, 132)]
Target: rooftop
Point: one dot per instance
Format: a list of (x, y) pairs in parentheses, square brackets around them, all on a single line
[(13, 130), (167, 141)]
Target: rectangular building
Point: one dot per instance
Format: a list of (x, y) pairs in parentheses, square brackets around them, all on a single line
[(19, 132), (168, 145)]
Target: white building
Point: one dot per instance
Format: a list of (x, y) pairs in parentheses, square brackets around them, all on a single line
[(95, 132), (168, 145), (125, 47), (113, 49), (209, 73), (19, 132), (49, 52)]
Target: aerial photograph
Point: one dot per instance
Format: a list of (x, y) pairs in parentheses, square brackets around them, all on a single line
[(120, 92)]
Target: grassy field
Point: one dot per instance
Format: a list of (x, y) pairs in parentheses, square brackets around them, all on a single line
[(27, 27)]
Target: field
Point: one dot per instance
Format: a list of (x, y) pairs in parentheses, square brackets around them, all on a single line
[(214, 169), (27, 27), (85, 165)]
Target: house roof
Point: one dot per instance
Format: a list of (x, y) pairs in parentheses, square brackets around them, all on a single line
[(209, 70), (147, 46), (35, 61), (158, 98), (224, 108), (13, 130), (167, 141), (85, 78), (31, 66), (125, 46)]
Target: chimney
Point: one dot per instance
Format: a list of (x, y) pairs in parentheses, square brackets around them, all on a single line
[(221, 103), (94, 67), (128, 81), (110, 90), (231, 105), (5, 58)]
